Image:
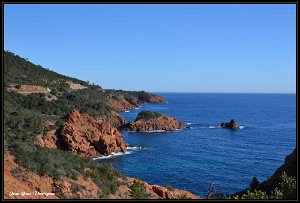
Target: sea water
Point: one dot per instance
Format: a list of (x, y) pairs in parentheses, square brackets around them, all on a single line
[(202, 153)]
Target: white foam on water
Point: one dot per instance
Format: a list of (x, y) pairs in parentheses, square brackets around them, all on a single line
[(127, 111), (154, 131), (135, 148), (130, 150), (113, 154), (189, 123), (241, 127), (211, 126)]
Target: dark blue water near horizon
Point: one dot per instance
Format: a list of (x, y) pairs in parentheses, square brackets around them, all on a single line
[(195, 157)]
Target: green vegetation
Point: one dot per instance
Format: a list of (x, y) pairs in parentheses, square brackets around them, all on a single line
[(18, 70), (19, 134), (25, 115), (92, 100), (18, 173), (169, 187), (138, 190), (256, 194), (287, 190), (254, 183), (147, 115), (182, 197), (131, 95), (214, 192)]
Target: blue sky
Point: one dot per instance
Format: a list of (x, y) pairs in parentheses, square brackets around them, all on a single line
[(161, 48)]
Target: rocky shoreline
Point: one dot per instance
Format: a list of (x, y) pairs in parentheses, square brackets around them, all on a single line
[(93, 138), (148, 121)]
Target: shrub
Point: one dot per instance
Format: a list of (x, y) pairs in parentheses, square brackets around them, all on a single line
[(288, 187), (254, 183), (287, 190), (76, 187), (169, 187), (214, 192), (182, 197), (17, 173), (147, 115), (138, 190)]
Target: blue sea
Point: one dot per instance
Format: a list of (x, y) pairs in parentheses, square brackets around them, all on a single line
[(204, 154)]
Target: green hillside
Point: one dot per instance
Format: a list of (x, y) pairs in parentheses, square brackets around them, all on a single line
[(25, 115)]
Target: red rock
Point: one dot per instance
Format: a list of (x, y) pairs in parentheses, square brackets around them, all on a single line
[(163, 122), (114, 119), (157, 99), (119, 103), (88, 137), (50, 139), (159, 192)]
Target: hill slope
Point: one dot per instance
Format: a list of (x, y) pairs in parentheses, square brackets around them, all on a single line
[(43, 136)]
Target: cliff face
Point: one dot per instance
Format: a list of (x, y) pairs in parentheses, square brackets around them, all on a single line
[(154, 122), (120, 103), (156, 99), (289, 167), (88, 137), (114, 119)]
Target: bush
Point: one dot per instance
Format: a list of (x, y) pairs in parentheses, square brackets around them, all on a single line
[(169, 187), (18, 173), (214, 192), (76, 187), (287, 190), (147, 115), (138, 190), (182, 197), (254, 183), (288, 187)]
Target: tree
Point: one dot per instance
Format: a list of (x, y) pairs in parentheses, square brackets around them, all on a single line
[(254, 183), (214, 192)]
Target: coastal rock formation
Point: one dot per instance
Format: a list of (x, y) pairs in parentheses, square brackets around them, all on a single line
[(153, 121), (17, 180), (289, 167), (154, 191), (231, 125), (118, 102), (34, 186), (88, 137), (49, 139), (114, 119), (156, 99)]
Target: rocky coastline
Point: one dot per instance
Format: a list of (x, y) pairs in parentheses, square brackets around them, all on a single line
[(148, 121)]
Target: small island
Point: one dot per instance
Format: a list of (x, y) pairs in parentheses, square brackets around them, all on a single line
[(231, 125), (148, 121)]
